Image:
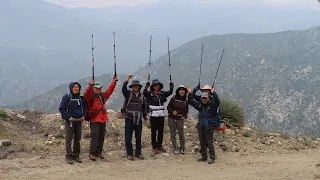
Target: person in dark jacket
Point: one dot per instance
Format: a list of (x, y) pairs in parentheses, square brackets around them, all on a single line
[(73, 111), (208, 119), (156, 98), (178, 112), (135, 109), (205, 88)]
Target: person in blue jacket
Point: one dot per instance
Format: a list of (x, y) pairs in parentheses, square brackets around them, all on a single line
[(73, 111), (208, 119)]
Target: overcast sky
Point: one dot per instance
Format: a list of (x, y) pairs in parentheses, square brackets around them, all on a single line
[(105, 3)]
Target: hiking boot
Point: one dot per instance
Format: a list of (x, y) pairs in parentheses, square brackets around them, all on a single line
[(182, 151), (77, 159), (100, 156), (202, 159), (92, 157), (176, 151), (211, 161), (140, 157), (69, 161), (130, 158), (161, 149)]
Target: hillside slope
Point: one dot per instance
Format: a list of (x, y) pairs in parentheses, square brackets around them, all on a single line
[(275, 76)]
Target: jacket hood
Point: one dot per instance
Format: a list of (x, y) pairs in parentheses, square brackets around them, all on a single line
[(71, 86), (154, 82)]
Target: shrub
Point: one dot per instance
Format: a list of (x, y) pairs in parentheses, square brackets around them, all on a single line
[(232, 111), (3, 114), (246, 134)]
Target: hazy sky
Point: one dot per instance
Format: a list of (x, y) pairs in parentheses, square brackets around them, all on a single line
[(104, 3)]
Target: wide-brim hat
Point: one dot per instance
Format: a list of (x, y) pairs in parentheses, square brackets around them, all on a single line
[(181, 87), (206, 87), (98, 85), (135, 82), (154, 82)]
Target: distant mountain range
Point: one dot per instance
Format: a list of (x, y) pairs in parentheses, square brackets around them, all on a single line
[(275, 76)]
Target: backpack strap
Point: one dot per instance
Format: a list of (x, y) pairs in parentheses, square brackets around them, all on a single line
[(69, 97)]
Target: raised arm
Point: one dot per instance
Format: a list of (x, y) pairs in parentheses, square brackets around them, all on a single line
[(111, 88), (193, 102), (125, 90), (168, 93), (194, 91), (63, 107), (89, 92)]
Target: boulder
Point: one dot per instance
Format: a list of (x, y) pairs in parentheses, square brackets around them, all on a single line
[(265, 141), (5, 142), (21, 116), (62, 128)]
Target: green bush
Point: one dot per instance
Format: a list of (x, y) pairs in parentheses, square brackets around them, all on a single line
[(232, 111), (3, 114)]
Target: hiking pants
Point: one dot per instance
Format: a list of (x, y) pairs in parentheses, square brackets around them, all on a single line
[(206, 141), (157, 125), (129, 128), (98, 132), (175, 125), (73, 133)]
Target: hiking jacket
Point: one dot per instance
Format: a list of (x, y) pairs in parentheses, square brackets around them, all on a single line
[(98, 104), (179, 104), (72, 105), (208, 113), (136, 108), (156, 101)]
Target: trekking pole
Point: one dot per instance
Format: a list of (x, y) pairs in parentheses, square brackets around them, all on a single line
[(92, 60), (114, 54), (149, 58), (218, 68), (200, 64), (169, 58)]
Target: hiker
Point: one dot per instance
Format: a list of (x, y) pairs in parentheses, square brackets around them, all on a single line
[(73, 111), (156, 98), (208, 119), (97, 115), (178, 112), (135, 110), (206, 88)]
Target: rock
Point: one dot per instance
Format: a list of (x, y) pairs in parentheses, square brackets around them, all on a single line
[(237, 131), (318, 139), (21, 116), (224, 146), (120, 144), (50, 136), (48, 142), (196, 149), (247, 128), (59, 136), (265, 141), (62, 128), (188, 134), (274, 134), (279, 143), (5, 142), (271, 141), (228, 132), (185, 127), (166, 154), (58, 115), (46, 135), (300, 139), (235, 149)]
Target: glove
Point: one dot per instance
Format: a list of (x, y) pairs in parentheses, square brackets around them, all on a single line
[(171, 85), (198, 87), (147, 84)]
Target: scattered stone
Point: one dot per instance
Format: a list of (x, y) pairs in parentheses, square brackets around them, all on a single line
[(50, 136), (110, 154), (271, 141), (62, 128), (224, 147), (279, 143), (237, 131), (120, 144), (274, 134), (21, 116), (185, 127), (166, 154), (228, 132), (46, 135), (87, 135), (300, 139), (265, 141), (61, 136), (247, 128), (196, 149), (235, 149), (318, 165), (318, 139), (188, 134), (5, 142), (58, 115), (48, 142)]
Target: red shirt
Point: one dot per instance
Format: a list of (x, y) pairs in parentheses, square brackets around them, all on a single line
[(97, 104)]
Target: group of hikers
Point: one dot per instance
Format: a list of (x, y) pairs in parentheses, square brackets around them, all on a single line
[(138, 105)]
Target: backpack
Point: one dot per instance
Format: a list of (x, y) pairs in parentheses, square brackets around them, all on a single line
[(127, 102), (81, 99), (92, 114)]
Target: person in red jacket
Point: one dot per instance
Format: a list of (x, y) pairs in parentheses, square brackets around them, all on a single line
[(97, 115)]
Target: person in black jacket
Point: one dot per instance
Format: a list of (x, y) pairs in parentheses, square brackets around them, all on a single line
[(135, 109), (208, 119), (73, 111), (156, 98)]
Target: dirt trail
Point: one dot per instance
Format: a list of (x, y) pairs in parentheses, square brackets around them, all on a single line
[(230, 166)]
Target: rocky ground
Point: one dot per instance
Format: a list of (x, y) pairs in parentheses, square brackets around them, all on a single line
[(35, 141)]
